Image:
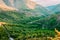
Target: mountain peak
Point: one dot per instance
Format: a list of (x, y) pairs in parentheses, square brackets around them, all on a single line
[(3, 6), (30, 4), (16, 4), (56, 7)]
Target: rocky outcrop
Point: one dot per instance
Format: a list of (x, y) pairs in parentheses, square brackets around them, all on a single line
[(16, 4), (3, 6)]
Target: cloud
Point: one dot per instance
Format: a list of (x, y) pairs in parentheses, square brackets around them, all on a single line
[(47, 2)]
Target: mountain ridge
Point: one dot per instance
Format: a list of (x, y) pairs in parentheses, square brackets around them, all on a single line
[(16, 4), (3, 6), (54, 8)]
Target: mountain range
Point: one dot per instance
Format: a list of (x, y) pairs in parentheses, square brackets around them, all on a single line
[(54, 8), (24, 4), (24, 19), (17, 4)]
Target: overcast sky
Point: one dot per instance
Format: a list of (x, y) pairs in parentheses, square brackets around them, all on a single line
[(47, 2)]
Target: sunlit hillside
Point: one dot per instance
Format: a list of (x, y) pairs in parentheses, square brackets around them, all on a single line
[(26, 20), (23, 27)]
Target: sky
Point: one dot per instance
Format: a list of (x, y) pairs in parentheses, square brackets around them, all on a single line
[(47, 2)]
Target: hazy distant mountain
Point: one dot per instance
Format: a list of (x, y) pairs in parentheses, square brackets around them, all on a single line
[(34, 8), (55, 8), (17, 3), (5, 7)]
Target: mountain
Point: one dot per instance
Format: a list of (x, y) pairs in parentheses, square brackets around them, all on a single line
[(16, 29), (5, 7), (55, 8), (25, 4), (25, 20), (17, 4), (27, 11), (18, 24)]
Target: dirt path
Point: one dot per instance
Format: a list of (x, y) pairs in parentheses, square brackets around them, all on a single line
[(1, 23)]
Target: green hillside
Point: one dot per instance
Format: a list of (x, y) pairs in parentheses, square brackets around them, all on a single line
[(13, 16), (24, 27), (23, 16), (27, 24)]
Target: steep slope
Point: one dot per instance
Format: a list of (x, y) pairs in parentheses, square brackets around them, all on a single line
[(21, 32), (25, 4), (17, 3), (27, 12), (5, 7), (16, 17), (18, 21), (55, 8)]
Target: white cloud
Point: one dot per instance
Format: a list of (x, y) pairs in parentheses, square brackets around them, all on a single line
[(47, 2)]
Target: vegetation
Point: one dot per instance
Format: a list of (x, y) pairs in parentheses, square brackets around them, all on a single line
[(23, 27)]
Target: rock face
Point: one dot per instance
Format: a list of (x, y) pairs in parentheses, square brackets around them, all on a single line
[(16, 4), (3, 6), (30, 4), (24, 4)]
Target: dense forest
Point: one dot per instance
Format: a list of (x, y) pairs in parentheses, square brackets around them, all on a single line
[(22, 27)]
